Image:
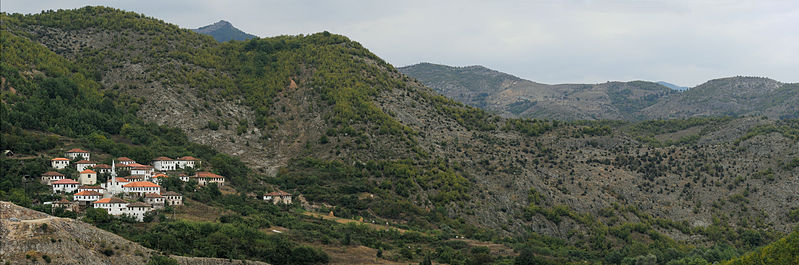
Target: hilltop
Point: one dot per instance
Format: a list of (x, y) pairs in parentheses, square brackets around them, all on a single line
[(511, 96), (224, 31), (322, 116), (30, 236)]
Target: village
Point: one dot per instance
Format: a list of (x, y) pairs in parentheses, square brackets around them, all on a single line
[(126, 187)]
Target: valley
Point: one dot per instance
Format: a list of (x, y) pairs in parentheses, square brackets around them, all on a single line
[(591, 178)]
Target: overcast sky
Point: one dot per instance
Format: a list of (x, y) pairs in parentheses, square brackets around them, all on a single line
[(550, 41)]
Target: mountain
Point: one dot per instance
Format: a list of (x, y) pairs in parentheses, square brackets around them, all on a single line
[(511, 96), (736, 96), (321, 116), (672, 86), (29, 236), (224, 31)]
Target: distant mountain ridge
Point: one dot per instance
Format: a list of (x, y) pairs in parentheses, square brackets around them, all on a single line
[(511, 96), (673, 86), (224, 31)]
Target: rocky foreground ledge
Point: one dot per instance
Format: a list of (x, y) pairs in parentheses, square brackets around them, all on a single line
[(28, 236)]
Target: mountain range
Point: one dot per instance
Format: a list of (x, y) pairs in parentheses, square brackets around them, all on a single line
[(224, 31), (323, 117), (510, 96)]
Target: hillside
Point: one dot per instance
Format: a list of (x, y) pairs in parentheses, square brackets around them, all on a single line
[(321, 116), (36, 236), (223, 31), (511, 96), (782, 251), (737, 96)]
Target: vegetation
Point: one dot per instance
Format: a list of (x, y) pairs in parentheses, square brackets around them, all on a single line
[(782, 251)]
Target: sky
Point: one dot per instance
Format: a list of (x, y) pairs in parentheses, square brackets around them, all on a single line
[(685, 42)]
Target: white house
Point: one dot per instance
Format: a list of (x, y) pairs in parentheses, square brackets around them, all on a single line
[(155, 199), (103, 168), (87, 177), (158, 178), (137, 210), (50, 176), (65, 186), (203, 178), (172, 198), (165, 164), (114, 185), (141, 188), (188, 161), (76, 152), (91, 188), (59, 162), (125, 161), (114, 206), (278, 197), (84, 164), (139, 169), (85, 197)]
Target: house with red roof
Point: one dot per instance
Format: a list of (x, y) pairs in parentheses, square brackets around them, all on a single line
[(188, 161), (59, 162), (155, 199), (50, 176), (102, 168), (140, 188), (139, 169), (65, 186), (114, 206), (203, 178), (172, 198), (91, 188), (125, 161), (77, 152), (87, 196), (137, 210), (278, 197), (114, 185), (84, 164), (165, 164), (87, 177)]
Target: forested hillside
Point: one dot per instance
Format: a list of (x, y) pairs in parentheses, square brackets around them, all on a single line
[(320, 115)]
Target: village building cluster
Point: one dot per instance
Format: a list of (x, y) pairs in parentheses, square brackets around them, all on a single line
[(141, 185)]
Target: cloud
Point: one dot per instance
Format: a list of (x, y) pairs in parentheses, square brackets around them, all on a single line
[(553, 41)]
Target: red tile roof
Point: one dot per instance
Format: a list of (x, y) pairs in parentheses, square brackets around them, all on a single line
[(170, 193), (88, 193), (139, 204), (110, 200), (102, 166), (160, 176), (118, 179), (59, 159), (77, 150), (140, 184), (153, 195), (121, 165), (188, 158), (63, 201), (88, 171), (124, 159), (278, 193), (65, 181), (52, 173), (86, 187), (206, 175), (139, 166), (85, 162), (162, 158)]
